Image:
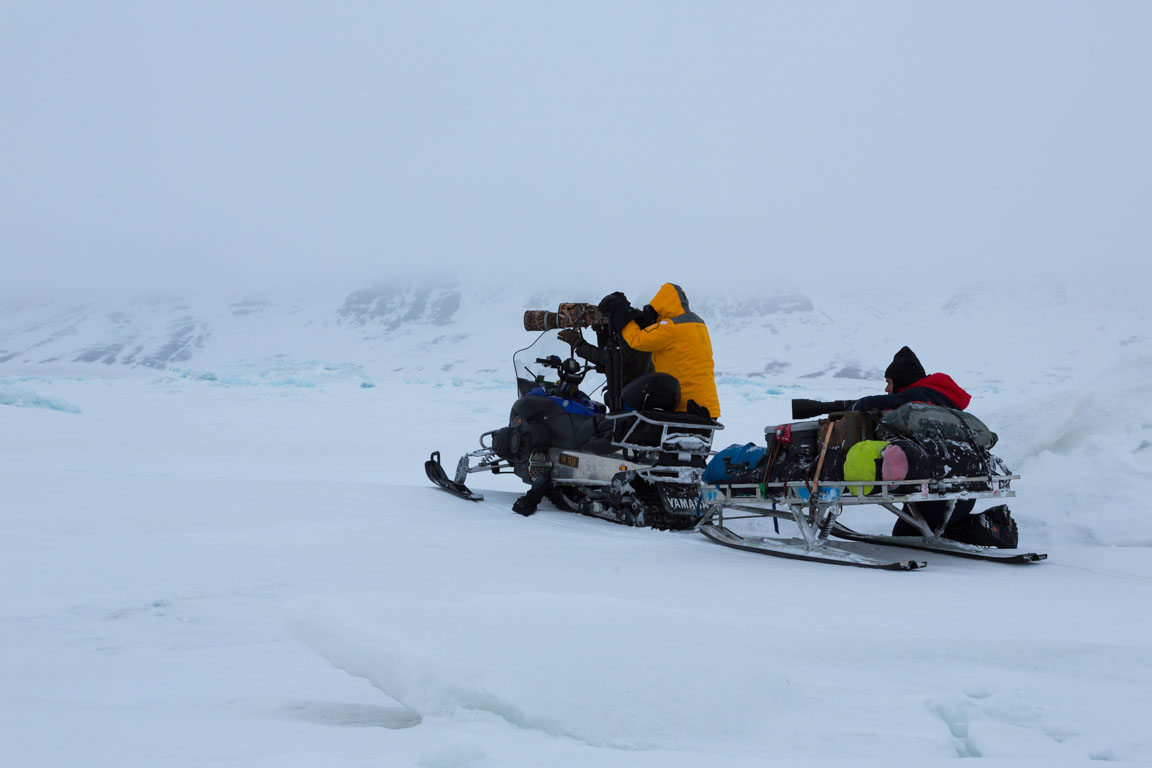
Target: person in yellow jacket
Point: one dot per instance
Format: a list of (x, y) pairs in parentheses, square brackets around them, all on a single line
[(679, 342)]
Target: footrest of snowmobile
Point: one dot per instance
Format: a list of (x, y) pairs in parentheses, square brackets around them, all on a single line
[(945, 546), (438, 476), (797, 549)]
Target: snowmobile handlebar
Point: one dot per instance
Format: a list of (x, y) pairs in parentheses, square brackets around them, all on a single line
[(570, 367), (807, 409), (570, 370), (570, 314)]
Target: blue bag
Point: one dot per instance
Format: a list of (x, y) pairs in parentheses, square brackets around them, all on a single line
[(737, 464)]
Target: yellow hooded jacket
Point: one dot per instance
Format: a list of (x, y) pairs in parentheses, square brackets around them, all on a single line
[(680, 346)]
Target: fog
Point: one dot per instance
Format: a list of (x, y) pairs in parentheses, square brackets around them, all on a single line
[(180, 145)]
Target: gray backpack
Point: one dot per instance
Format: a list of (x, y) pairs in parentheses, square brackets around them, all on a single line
[(924, 420)]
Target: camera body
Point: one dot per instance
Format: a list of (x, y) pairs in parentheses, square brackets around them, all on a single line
[(571, 314)]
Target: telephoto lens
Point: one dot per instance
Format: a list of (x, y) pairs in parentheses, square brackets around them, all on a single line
[(570, 314), (808, 409), (575, 314), (540, 320)]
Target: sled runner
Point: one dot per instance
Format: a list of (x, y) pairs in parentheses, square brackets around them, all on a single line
[(818, 520)]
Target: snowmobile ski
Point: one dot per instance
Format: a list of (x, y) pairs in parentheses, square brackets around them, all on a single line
[(946, 546), (797, 549), (438, 476)]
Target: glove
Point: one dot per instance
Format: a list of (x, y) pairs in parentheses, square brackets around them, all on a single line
[(570, 336), (647, 317)]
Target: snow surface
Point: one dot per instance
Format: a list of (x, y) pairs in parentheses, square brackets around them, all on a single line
[(219, 547)]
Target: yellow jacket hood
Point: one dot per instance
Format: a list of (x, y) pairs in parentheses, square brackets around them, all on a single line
[(670, 301)]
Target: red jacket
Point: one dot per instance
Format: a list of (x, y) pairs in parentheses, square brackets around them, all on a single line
[(937, 389), (943, 383)]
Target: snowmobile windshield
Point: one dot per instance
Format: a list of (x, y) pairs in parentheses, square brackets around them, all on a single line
[(535, 365)]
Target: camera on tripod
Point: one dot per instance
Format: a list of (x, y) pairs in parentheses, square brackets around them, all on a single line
[(572, 314)]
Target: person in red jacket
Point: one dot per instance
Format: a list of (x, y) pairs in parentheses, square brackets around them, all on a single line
[(907, 382)]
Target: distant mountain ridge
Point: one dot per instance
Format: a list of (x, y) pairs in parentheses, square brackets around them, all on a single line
[(425, 330), (158, 333)]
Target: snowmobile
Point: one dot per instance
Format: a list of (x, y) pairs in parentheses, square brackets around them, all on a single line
[(918, 461), (635, 467)]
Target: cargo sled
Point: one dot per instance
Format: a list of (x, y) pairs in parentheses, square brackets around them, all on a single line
[(922, 463)]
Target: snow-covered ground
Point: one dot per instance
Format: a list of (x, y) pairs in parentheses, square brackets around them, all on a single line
[(218, 547)]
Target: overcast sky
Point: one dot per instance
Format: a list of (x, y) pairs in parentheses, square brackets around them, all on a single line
[(164, 143)]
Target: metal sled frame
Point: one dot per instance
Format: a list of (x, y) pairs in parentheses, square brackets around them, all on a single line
[(683, 443), (817, 518)]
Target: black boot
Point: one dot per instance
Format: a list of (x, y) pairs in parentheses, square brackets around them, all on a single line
[(526, 504), (994, 527)]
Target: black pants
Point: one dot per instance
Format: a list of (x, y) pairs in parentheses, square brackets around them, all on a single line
[(933, 513), (652, 390)]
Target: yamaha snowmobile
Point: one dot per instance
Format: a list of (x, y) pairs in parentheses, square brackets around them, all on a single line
[(635, 467)]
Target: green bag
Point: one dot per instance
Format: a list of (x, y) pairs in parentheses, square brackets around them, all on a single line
[(862, 463)]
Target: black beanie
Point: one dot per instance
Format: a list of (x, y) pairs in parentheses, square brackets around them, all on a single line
[(905, 370)]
